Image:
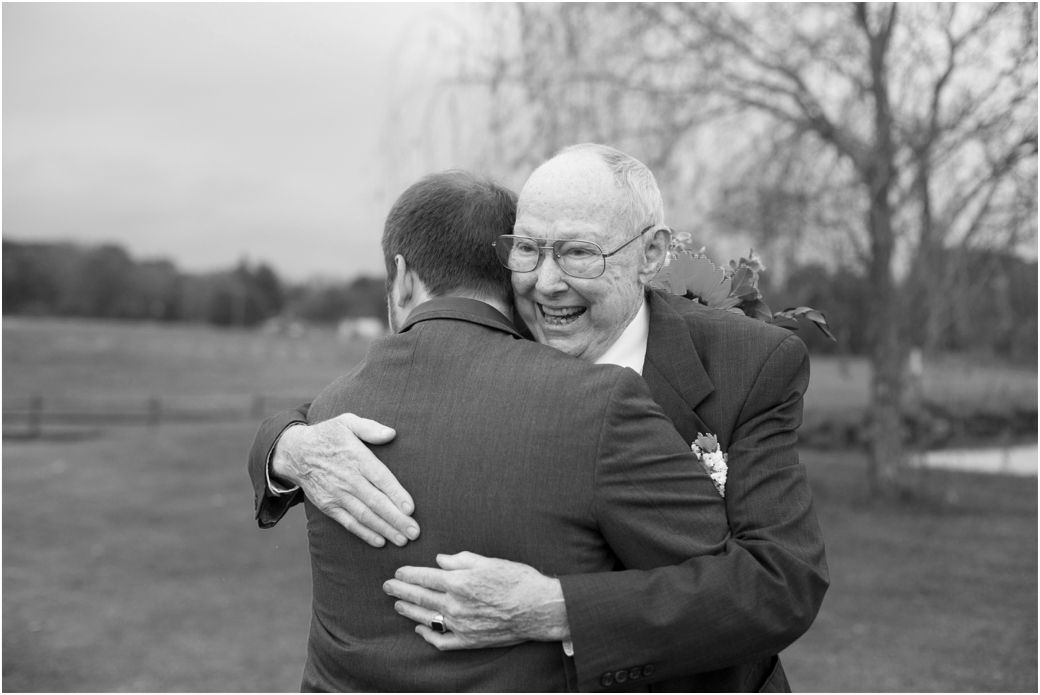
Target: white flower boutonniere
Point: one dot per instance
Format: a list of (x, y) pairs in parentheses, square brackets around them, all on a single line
[(706, 448)]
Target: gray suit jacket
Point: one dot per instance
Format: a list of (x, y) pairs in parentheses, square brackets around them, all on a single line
[(513, 450)]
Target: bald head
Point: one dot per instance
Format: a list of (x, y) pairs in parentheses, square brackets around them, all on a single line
[(596, 182)]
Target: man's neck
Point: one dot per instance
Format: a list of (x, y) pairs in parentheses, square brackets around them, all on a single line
[(500, 305)]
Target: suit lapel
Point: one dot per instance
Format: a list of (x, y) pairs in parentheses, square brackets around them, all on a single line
[(673, 370)]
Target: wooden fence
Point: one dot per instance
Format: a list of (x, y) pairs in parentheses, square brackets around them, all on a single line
[(37, 416)]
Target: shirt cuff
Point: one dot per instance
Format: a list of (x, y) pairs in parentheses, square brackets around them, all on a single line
[(274, 488)]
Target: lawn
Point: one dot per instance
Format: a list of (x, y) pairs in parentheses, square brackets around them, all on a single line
[(110, 361), (940, 597), (131, 560), (133, 563)]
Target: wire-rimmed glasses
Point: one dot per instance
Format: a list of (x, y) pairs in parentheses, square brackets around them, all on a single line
[(577, 258)]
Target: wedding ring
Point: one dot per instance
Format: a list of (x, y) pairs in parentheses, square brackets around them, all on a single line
[(438, 623)]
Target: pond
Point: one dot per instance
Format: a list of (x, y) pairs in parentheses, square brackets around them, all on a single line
[(1013, 460)]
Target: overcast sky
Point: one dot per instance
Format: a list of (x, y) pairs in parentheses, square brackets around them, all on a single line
[(202, 132)]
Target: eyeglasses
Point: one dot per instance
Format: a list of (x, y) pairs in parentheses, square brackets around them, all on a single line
[(579, 259)]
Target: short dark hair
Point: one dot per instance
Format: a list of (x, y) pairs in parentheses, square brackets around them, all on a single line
[(443, 225)]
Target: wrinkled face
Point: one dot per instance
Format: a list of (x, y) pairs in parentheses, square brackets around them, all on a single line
[(571, 198)]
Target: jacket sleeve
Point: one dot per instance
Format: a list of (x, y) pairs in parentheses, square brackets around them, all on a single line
[(747, 603), (270, 508)]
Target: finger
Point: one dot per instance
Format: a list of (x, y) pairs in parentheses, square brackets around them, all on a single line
[(380, 491), (341, 485), (367, 430), (351, 524), (368, 518), (459, 561), (429, 577), (399, 501), (432, 600), (423, 616), (385, 481), (446, 642)]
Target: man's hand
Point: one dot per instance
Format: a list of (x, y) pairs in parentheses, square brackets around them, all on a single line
[(485, 602), (345, 480)]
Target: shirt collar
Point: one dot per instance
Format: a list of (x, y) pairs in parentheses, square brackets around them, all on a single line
[(629, 350)]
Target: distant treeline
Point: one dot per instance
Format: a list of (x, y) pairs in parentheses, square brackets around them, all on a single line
[(62, 279), (990, 308)]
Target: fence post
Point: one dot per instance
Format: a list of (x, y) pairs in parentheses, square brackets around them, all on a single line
[(258, 405), (154, 411), (35, 424)]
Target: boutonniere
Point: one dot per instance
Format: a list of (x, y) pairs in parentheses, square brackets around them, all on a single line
[(706, 448)]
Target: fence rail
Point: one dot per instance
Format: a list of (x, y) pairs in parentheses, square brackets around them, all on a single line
[(30, 417)]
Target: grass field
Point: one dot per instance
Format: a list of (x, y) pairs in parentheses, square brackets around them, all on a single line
[(126, 362), (110, 361), (132, 562)]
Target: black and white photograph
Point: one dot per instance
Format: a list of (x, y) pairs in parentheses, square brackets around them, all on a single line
[(520, 347)]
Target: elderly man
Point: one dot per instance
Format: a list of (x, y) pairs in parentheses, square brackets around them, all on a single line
[(709, 623)]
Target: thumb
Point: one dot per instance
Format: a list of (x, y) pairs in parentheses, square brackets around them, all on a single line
[(366, 430), (459, 561)]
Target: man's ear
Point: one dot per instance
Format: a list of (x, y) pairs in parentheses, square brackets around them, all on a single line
[(404, 281), (655, 254)]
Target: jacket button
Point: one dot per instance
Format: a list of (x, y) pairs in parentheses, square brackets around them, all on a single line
[(606, 680), (635, 672), (621, 676), (648, 670)]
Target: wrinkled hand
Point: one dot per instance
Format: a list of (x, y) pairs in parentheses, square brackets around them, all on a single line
[(485, 602), (345, 480)]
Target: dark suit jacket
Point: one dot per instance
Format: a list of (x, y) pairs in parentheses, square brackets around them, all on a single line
[(720, 619), (724, 617), (510, 449)]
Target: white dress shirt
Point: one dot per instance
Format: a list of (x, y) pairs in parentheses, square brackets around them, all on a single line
[(629, 350)]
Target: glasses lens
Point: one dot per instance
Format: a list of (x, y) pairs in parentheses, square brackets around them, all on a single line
[(518, 253), (581, 259)]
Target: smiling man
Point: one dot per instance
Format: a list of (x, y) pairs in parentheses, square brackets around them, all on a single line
[(588, 239), (572, 199)]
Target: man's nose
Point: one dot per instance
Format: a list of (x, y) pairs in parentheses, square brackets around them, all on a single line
[(551, 278)]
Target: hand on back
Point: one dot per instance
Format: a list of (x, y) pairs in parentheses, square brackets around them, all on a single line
[(345, 480)]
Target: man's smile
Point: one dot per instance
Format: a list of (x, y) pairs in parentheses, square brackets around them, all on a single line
[(561, 315)]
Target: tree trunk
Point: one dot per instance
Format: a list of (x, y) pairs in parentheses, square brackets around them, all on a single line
[(889, 470), (888, 352), (890, 474)]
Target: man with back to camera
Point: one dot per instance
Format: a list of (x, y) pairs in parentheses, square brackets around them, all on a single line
[(722, 618), (495, 464)]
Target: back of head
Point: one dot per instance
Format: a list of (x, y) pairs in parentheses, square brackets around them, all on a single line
[(443, 225)]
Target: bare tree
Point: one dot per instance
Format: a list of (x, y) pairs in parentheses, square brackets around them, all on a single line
[(934, 108), (898, 135)]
